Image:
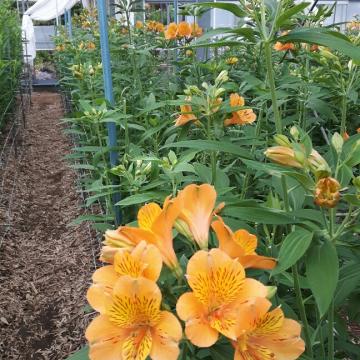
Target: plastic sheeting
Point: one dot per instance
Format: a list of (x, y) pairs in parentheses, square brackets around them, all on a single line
[(42, 10), (45, 10)]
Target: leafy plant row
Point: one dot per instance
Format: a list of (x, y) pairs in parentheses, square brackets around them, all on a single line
[(265, 115)]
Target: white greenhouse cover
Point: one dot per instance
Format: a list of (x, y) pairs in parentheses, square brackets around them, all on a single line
[(42, 10)]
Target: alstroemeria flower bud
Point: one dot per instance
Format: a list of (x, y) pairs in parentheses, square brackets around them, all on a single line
[(327, 192), (283, 155)]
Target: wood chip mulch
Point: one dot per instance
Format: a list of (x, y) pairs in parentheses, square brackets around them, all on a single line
[(45, 264)]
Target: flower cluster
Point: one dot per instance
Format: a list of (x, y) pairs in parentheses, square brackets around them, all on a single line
[(208, 101), (80, 70), (89, 45), (326, 189), (155, 26), (220, 299), (232, 60), (280, 46), (182, 30), (353, 25)]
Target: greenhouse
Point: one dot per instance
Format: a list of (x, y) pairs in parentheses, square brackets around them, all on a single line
[(179, 180)]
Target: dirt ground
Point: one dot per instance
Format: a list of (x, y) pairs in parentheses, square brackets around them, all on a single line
[(45, 265)]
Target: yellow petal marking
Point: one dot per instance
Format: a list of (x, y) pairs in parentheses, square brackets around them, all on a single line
[(127, 312), (219, 287), (270, 323), (137, 346), (147, 215), (126, 264)]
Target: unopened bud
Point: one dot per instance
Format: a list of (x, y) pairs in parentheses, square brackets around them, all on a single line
[(282, 140), (337, 142), (271, 291), (222, 77), (294, 131)]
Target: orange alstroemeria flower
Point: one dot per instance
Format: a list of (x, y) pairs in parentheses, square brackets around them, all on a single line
[(268, 334), (186, 115), (155, 227), (197, 204), (358, 130), (241, 245), (143, 261), (345, 136), (171, 31), (196, 30), (239, 117), (220, 290), (133, 326), (139, 24), (283, 46), (184, 29), (159, 27), (327, 192)]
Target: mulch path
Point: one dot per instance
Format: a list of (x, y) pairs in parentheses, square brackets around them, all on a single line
[(45, 264)]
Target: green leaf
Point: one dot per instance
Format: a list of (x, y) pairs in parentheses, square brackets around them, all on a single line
[(82, 354), (322, 270), (141, 198), (260, 215), (212, 145), (323, 37), (292, 249), (93, 218), (287, 14), (349, 279), (233, 8)]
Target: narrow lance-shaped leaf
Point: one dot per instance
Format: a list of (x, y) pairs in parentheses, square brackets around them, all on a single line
[(325, 38), (322, 269), (292, 249)]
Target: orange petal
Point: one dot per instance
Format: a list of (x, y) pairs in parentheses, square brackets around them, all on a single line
[(270, 323), (246, 240), (135, 301), (151, 258), (286, 343), (99, 297), (189, 307), (200, 333), (257, 262), (162, 228), (166, 337), (251, 289), (105, 339), (198, 202), (139, 288), (236, 100), (106, 276), (226, 240), (147, 215), (137, 345)]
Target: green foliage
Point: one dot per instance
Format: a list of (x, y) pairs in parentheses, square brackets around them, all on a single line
[(10, 57), (311, 92)]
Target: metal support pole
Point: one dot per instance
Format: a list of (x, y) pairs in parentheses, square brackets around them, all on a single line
[(65, 17), (176, 11), (69, 23), (108, 89)]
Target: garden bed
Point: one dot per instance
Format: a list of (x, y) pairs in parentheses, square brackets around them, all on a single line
[(45, 265)]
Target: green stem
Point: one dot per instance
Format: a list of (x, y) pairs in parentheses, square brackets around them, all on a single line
[(271, 80), (343, 114), (331, 332), (321, 335), (297, 286), (212, 153), (302, 311)]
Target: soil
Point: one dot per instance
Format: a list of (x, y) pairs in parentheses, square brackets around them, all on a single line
[(45, 264)]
